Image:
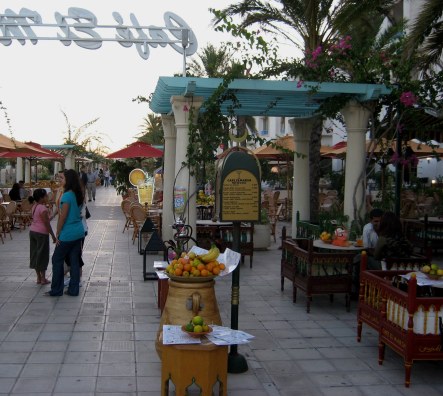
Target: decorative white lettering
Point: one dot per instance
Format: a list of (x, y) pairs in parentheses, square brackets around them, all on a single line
[(12, 23), (80, 26), (173, 21)]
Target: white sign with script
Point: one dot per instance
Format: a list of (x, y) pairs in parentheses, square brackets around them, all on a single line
[(80, 26)]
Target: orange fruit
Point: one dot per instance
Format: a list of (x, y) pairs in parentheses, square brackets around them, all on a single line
[(209, 266), (187, 267), (204, 272), (216, 270), (201, 267), (221, 266), (178, 272)]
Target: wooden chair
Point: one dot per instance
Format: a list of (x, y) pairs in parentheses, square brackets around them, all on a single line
[(5, 222), (138, 217), (316, 272), (246, 240), (126, 206), (23, 214), (10, 211)]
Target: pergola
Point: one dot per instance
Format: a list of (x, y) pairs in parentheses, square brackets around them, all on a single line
[(175, 96)]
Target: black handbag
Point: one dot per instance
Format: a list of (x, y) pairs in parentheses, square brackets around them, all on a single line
[(88, 214)]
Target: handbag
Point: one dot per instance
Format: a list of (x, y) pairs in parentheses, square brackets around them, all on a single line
[(87, 213)]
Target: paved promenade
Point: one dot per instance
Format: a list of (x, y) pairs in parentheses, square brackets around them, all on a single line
[(102, 342)]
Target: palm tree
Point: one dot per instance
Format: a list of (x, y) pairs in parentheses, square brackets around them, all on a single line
[(426, 35), (152, 130), (211, 62), (307, 24)]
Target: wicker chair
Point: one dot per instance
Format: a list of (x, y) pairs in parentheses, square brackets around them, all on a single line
[(24, 214), (126, 208), (5, 222), (138, 217)]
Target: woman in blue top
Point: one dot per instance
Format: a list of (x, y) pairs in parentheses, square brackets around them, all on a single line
[(69, 235)]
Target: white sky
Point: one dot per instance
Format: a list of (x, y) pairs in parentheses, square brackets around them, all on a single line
[(38, 81)]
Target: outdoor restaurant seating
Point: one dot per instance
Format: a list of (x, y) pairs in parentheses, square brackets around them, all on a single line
[(5, 222), (126, 206), (246, 240), (23, 214), (407, 317), (316, 272), (425, 235)]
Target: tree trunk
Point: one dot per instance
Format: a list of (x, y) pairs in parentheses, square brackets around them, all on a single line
[(314, 166)]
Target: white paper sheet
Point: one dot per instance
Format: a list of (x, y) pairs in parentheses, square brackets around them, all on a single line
[(423, 280), (226, 336), (173, 335)]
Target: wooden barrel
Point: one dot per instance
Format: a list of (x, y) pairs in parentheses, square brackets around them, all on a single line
[(186, 300)]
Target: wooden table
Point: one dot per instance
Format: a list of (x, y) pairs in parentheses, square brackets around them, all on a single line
[(203, 364), (319, 244)]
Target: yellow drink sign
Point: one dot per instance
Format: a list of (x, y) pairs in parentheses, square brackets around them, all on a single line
[(240, 196)]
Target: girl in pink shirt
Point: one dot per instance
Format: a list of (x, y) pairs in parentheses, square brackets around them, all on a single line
[(39, 235)]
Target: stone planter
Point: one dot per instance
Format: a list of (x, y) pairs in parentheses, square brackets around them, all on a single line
[(262, 236)]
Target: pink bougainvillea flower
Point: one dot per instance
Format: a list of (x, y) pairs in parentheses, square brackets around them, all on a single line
[(300, 83), (172, 255), (408, 99), (394, 158), (185, 107)]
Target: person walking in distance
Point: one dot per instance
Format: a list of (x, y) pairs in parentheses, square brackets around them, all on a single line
[(106, 175), (91, 186)]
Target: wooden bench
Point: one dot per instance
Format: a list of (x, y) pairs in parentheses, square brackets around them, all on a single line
[(370, 297), (406, 322), (315, 272)]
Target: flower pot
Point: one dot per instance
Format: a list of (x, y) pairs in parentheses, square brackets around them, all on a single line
[(262, 236)]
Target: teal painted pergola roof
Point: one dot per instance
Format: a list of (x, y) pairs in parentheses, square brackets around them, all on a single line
[(263, 97)]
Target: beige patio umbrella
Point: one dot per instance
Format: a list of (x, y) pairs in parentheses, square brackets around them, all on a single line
[(12, 145)]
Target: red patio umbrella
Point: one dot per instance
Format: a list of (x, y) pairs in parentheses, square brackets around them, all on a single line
[(38, 153), (137, 150)]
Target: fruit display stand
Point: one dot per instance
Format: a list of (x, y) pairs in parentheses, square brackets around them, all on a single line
[(179, 366), (190, 296)]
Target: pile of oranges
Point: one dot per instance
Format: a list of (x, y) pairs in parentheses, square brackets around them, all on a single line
[(189, 265)]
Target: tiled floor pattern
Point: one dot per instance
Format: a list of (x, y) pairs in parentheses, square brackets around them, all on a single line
[(102, 342)]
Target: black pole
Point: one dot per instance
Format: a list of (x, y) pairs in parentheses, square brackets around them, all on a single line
[(398, 175), (236, 362)]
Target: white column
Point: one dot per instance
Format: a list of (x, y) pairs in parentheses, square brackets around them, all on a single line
[(301, 202), (27, 171), (182, 106), (69, 160), (170, 135), (356, 118), (19, 170)]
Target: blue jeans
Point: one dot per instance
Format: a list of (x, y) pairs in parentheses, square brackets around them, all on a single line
[(72, 250)]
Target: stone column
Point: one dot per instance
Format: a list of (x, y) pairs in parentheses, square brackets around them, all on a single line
[(301, 202), (19, 170), (27, 171), (170, 134), (69, 160), (356, 119), (181, 107)]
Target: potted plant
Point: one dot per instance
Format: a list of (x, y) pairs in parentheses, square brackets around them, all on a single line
[(262, 232), (120, 171)]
